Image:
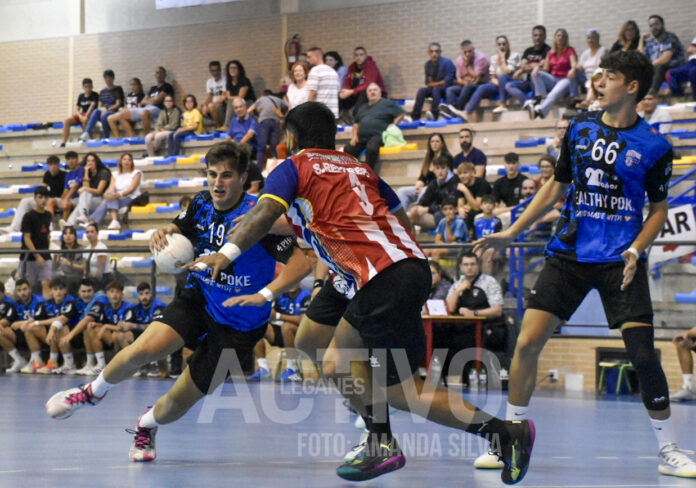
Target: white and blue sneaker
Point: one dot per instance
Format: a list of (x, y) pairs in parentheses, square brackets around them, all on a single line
[(289, 376), (262, 374)]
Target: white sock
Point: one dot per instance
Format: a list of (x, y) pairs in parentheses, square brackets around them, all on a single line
[(688, 380), (68, 359), (291, 364), (513, 412), (14, 354), (100, 386), (35, 356), (101, 360), (263, 363), (148, 419), (664, 431), (54, 357), (90, 359)]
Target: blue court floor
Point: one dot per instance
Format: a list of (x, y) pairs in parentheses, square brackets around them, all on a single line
[(244, 438)]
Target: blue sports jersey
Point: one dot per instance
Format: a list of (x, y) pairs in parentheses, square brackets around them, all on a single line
[(8, 310), (74, 178), (67, 308), (36, 308), (148, 315), (85, 308), (609, 171), (207, 229), (458, 227), (105, 313), (485, 227), (287, 305)]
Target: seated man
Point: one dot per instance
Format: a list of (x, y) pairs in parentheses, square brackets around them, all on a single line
[(450, 230), (532, 57), (30, 308), (147, 310), (470, 154), (508, 188), (471, 189), (439, 75), (243, 127), (654, 115), (664, 49), (362, 72), (86, 103), (473, 70), (110, 100), (8, 338), (371, 120), (685, 343), (428, 211), (73, 181), (684, 73), (214, 104), (110, 320)]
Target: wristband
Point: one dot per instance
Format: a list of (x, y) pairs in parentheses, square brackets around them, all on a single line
[(277, 316), (230, 251), (267, 294), (634, 251), (318, 283), (57, 324)]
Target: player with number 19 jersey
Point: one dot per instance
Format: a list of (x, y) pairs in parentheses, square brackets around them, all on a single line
[(344, 213), (610, 170)]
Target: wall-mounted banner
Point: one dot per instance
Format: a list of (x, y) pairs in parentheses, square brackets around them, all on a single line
[(680, 226), (162, 4)]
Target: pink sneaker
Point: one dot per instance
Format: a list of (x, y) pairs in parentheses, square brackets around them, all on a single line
[(142, 448), (64, 403)]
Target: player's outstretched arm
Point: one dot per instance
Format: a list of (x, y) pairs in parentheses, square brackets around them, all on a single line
[(250, 230), (540, 204), (654, 222)]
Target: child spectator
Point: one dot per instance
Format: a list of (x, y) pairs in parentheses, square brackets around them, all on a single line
[(214, 104), (192, 123), (110, 100), (167, 122), (451, 228), (484, 225), (86, 103), (133, 99), (36, 234)]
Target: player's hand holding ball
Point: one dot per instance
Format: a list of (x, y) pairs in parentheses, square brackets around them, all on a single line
[(176, 253)]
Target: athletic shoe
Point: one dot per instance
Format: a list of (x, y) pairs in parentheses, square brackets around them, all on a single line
[(83, 219), (142, 448), (261, 374), (684, 394), (83, 137), (50, 367), (530, 107), (289, 376), (17, 366), (64, 403), (350, 456), (86, 370), (446, 110), (114, 225), (500, 109), (517, 450), (676, 462), (66, 369), (490, 460), (372, 459), (428, 115), (408, 119), (359, 423), (32, 366)]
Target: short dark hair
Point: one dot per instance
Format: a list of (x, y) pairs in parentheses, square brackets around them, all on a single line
[(548, 158), (144, 286), (511, 157), (109, 72), (469, 254), (539, 27), (114, 285), (92, 223), (53, 159), (488, 198), (313, 125), (71, 154), (195, 102), (441, 161), (465, 42), (42, 190), (435, 44), (231, 153), (87, 282), (22, 281), (634, 65), (360, 48), (467, 129), (214, 63), (315, 48), (86, 81), (57, 282), (450, 201), (658, 17)]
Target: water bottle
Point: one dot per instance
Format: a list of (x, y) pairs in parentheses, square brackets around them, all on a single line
[(504, 378), (483, 380), (473, 380), (435, 370)]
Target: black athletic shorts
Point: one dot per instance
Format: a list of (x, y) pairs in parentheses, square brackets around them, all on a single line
[(387, 314), (563, 284), (328, 306), (187, 315), (277, 336)]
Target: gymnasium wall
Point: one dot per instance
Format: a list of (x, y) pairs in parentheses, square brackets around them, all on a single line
[(39, 79)]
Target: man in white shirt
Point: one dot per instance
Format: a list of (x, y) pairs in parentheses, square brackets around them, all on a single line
[(214, 104), (322, 81), (653, 114)]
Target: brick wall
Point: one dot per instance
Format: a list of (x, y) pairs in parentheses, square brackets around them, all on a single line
[(395, 34), (579, 356)]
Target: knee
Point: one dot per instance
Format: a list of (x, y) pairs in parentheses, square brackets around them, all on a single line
[(528, 346), (140, 352)]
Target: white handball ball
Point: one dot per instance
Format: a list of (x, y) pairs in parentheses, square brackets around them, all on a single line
[(178, 253)]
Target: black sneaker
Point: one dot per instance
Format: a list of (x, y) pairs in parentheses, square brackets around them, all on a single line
[(373, 458), (517, 451)]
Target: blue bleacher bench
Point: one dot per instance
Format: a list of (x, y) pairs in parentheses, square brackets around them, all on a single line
[(28, 189)]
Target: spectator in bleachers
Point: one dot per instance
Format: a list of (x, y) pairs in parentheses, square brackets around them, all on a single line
[(441, 281), (629, 37), (428, 211), (53, 181), (322, 81), (532, 57), (334, 60), (243, 127), (214, 104), (450, 229), (371, 120), (69, 266), (504, 64), (30, 308), (361, 72), (270, 111), (133, 99), (110, 319), (487, 224), (95, 182), (685, 345), (123, 189), (654, 115), (684, 73), (554, 148), (297, 89), (508, 188), (471, 190), (86, 103), (589, 60), (36, 236), (97, 262), (73, 182), (470, 154), (440, 74), (557, 75), (237, 85), (110, 100), (408, 195), (8, 337), (664, 49), (191, 123), (168, 120), (547, 165), (149, 107), (473, 72)]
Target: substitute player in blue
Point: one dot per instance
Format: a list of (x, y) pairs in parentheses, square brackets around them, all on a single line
[(609, 160), (30, 308), (199, 316), (8, 338)]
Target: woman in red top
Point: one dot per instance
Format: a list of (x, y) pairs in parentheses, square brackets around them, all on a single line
[(557, 75)]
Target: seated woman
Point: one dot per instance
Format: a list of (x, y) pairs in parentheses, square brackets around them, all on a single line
[(96, 180), (133, 100), (69, 266), (168, 120), (123, 189), (237, 86), (97, 262), (192, 123)]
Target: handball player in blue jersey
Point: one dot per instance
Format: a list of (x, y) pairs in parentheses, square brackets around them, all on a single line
[(609, 161), (200, 317)]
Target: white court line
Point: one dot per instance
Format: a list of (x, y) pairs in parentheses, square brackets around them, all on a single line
[(10, 471), (602, 486), (606, 457), (562, 457), (65, 469)]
